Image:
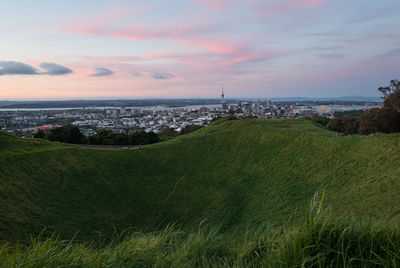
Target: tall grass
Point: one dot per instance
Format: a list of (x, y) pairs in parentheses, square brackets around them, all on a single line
[(235, 174), (317, 240)]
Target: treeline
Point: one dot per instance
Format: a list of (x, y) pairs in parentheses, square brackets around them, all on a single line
[(72, 134), (385, 119), (108, 137)]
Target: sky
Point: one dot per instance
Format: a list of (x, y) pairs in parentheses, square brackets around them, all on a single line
[(96, 49)]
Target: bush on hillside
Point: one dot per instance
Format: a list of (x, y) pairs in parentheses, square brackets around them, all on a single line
[(351, 112), (385, 119), (143, 137), (347, 124), (108, 137), (190, 128), (102, 137), (39, 134), (231, 115), (168, 133), (320, 120), (67, 134), (217, 120), (72, 134), (370, 121)]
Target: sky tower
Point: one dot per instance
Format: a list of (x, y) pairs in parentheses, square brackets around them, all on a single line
[(223, 100)]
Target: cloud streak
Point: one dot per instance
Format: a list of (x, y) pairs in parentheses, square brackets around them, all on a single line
[(101, 71), (54, 69), (16, 68), (157, 75), (20, 68)]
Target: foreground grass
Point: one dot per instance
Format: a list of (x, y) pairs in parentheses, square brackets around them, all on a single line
[(318, 240), (233, 175)]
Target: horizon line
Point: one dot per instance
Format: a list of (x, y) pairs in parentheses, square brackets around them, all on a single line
[(180, 98)]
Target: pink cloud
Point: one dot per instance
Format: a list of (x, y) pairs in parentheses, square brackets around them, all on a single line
[(246, 57), (131, 33), (208, 60), (100, 20), (187, 34), (191, 65), (177, 35), (219, 47), (212, 54)]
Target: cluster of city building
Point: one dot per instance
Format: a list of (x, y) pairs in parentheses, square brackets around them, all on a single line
[(156, 118), (117, 119)]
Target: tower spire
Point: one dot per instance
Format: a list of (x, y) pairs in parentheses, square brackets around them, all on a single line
[(223, 99)]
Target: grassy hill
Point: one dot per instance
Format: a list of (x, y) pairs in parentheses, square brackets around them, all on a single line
[(232, 175)]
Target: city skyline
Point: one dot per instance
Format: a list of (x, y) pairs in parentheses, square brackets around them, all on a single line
[(190, 49)]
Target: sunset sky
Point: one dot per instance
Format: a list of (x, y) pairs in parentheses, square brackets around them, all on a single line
[(191, 48)]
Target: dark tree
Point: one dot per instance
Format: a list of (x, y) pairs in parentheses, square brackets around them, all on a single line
[(168, 133), (120, 139), (351, 124), (346, 124), (231, 115), (393, 87), (335, 125), (39, 134), (102, 137), (108, 137), (190, 128), (370, 121), (387, 118), (139, 138), (152, 137), (67, 134), (393, 101), (320, 120)]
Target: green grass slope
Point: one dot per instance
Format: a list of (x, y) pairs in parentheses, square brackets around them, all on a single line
[(232, 175), (317, 240)]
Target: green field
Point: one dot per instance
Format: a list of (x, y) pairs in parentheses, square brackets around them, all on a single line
[(233, 176)]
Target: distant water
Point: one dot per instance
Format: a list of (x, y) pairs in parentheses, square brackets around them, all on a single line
[(36, 109), (353, 107), (165, 108), (147, 108)]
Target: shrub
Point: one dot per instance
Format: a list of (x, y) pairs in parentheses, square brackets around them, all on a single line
[(39, 134), (67, 134), (346, 124), (320, 120), (190, 128)]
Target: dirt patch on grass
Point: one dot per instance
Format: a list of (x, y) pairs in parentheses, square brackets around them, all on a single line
[(229, 126), (293, 127)]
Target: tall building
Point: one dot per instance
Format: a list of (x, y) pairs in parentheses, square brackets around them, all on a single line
[(224, 106), (203, 110), (116, 113), (269, 103), (323, 109), (239, 103)]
